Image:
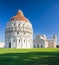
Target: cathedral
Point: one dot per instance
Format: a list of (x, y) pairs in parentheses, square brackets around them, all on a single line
[(41, 41), (19, 32)]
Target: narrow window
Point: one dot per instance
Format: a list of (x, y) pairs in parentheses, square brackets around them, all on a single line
[(24, 40), (18, 24), (19, 40), (17, 32), (14, 25), (9, 45), (24, 33), (23, 25), (14, 40)]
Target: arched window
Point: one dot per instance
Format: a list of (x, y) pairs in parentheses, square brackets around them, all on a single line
[(10, 45), (19, 40), (14, 40), (17, 32), (23, 25), (24, 33), (24, 40), (41, 46), (14, 24), (18, 24)]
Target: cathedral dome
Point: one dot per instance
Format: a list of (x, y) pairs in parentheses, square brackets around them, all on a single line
[(19, 16), (44, 36)]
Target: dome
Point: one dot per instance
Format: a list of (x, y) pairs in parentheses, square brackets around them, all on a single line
[(38, 36), (20, 21), (44, 35), (19, 16)]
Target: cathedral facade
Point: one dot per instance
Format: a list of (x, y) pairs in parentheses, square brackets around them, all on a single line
[(19, 32), (41, 41)]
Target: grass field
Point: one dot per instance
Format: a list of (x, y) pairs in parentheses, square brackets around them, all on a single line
[(38, 56)]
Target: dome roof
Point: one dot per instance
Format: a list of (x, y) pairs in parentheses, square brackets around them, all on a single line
[(19, 16), (44, 35)]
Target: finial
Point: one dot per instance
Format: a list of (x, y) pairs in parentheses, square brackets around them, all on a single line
[(20, 12)]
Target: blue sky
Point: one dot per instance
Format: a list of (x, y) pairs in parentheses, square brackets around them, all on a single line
[(43, 14)]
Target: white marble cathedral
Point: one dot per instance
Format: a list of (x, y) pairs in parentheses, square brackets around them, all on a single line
[(19, 32), (41, 41)]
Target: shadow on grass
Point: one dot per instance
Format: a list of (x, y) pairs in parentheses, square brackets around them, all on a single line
[(30, 58)]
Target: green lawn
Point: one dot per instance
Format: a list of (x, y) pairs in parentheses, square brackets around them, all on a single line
[(38, 56)]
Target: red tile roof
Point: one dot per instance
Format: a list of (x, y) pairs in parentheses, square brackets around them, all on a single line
[(19, 16)]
